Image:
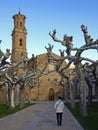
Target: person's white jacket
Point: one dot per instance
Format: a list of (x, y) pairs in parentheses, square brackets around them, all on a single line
[(59, 106)]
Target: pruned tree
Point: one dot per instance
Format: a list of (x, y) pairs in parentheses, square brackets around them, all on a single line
[(90, 80), (76, 60)]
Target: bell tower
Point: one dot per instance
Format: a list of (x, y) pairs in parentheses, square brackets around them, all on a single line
[(19, 34)]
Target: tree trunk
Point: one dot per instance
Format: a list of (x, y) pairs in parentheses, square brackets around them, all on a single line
[(71, 94), (12, 104), (82, 90), (22, 97), (17, 95), (29, 93), (65, 93), (7, 94)]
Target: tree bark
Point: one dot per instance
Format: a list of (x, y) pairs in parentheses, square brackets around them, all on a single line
[(71, 94), (12, 105), (16, 95), (29, 93), (22, 97), (82, 92)]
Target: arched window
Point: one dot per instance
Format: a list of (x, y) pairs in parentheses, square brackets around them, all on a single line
[(17, 24), (20, 42), (20, 24)]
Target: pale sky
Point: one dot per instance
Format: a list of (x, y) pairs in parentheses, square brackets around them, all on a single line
[(42, 16)]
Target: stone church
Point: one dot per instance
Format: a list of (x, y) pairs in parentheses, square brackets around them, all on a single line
[(48, 89)]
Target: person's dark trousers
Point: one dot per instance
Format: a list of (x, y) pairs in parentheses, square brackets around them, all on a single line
[(59, 118)]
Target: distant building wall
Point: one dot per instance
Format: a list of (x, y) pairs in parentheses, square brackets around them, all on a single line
[(2, 96)]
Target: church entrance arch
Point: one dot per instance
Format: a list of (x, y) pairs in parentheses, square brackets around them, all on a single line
[(51, 94)]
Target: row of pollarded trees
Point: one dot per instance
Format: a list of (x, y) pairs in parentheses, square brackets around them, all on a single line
[(15, 77), (76, 59)]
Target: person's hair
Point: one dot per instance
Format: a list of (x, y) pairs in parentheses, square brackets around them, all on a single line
[(59, 97)]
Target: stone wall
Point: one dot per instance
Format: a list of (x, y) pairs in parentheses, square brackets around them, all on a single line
[(48, 88), (2, 96)]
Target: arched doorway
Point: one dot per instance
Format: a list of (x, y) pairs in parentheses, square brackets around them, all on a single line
[(51, 94)]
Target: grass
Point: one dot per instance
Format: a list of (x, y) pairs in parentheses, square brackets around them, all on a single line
[(90, 122), (4, 110)]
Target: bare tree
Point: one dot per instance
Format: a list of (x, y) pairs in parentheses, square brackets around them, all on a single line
[(76, 60)]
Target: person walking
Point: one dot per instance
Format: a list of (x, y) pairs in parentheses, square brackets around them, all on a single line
[(59, 107)]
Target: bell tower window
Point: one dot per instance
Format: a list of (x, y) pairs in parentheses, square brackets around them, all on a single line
[(20, 24), (17, 24), (20, 42)]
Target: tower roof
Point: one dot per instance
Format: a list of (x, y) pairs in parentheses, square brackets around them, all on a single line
[(19, 15)]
